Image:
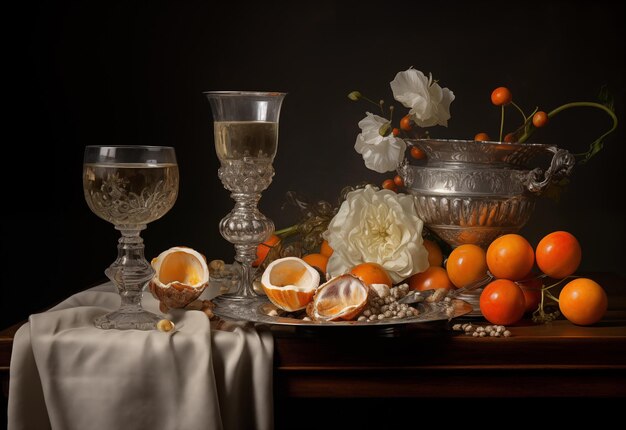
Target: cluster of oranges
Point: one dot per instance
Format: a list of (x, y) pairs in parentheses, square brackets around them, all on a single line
[(507, 267), (510, 259)]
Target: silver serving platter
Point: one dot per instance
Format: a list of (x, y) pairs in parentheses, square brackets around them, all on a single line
[(257, 310)]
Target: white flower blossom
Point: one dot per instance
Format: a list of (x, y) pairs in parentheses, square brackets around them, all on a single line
[(429, 103), (377, 226), (380, 153)]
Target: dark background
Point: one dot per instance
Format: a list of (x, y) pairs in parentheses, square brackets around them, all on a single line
[(83, 73)]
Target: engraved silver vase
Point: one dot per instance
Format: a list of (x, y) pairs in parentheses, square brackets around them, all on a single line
[(473, 192)]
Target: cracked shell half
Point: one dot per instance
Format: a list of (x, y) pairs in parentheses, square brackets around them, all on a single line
[(290, 283)]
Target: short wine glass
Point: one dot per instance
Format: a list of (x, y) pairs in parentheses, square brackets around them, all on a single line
[(246, 140), (130, 186)]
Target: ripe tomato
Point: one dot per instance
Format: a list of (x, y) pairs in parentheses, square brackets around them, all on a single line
[(264, 248), (540, 119), (405, 123), (583, 301), (510, 257), (532, 292), (417, 153), (435, 256), (395, 131), (501, 96), (466, 265), (481, 137), (398, 181), (502, 302), (558, 254), (433, 278)]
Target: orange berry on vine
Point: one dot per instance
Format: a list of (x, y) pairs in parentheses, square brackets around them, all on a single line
[(398, 181), (395, 132), (501, 96), (481, 137), (540, 119), (508, 138), (388, 184), (417, 153), (405, 123)]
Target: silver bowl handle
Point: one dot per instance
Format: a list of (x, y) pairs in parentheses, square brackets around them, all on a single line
[(560, 167)]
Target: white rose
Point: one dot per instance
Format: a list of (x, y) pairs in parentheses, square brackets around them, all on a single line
[(381, 154), (377, 226), (429, 103)]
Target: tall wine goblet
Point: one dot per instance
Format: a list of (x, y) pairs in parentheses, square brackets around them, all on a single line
[(130, 186), (246, 140)]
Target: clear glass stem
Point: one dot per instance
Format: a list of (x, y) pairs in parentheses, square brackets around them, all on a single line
[(130, 273), (245, 227)]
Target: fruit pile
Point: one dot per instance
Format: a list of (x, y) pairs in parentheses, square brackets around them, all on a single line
[(518, 278), (510, 259)]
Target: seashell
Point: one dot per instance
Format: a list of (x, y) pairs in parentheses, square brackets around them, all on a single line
[(290, 283), (181, 275), (341, 298)]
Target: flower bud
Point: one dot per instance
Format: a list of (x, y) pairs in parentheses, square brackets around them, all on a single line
[(354, 95), (384, 129)]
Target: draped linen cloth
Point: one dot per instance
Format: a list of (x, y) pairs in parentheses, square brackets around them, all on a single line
[(67, 374)]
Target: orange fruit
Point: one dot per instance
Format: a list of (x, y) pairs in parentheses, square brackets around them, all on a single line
[(435, 257), (264, 248), (558, 254), (389, 184), (372, 273), (502, 302), (501, 96), (480, 137), (510, 257), (417, 153), (325, 249), (583, 301), (405, 123), (466, 265), (434, 277), (317, 260)]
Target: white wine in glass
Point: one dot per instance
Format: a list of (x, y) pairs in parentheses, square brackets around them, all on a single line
[(246, 138), (130, 186)]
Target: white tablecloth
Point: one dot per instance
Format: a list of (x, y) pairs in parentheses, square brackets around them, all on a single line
[(66, 374)]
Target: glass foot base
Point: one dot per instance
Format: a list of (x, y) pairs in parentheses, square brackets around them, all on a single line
[(142, 320), (234, 296)]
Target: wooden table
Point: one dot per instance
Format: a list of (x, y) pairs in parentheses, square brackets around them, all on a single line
[(314, 368)]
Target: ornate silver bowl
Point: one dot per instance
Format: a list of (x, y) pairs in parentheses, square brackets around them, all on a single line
[(473, 192)]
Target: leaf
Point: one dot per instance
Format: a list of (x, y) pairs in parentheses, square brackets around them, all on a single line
[(606, 98), (594, 148)]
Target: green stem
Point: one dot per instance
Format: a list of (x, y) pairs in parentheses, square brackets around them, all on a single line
[(371, 101), (520, 110), (501, 121), (287, 231), (559, 282), (552, 297), (561, 108)]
